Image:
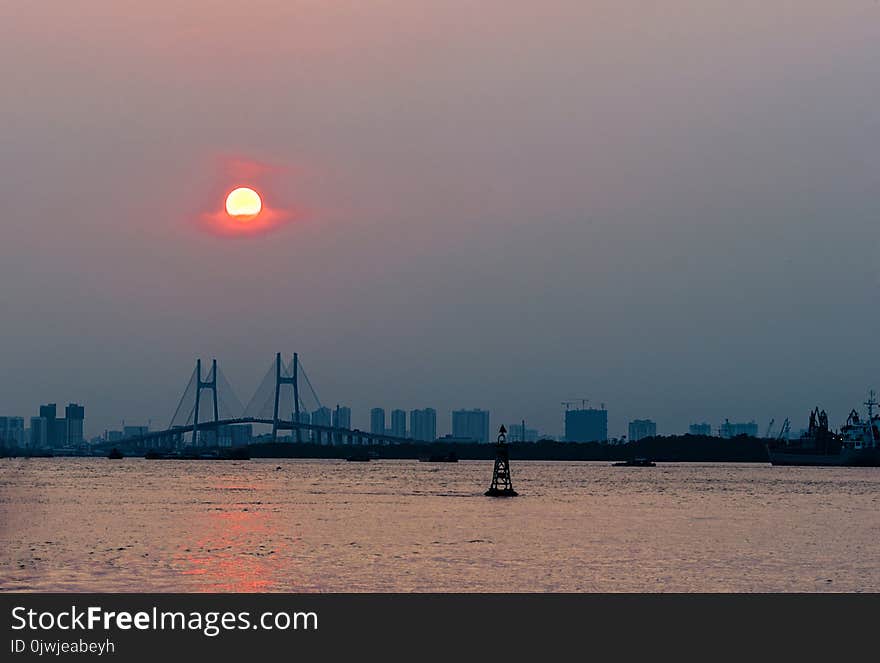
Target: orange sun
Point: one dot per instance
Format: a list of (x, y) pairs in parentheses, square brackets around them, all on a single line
[(243, 203)]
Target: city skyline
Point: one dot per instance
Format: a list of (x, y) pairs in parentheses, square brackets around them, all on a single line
[(363, 421), (46, 430)]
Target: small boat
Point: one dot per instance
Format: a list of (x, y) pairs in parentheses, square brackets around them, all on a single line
[(451, 457), (152, 454), (358, 458), (636, 462), (114, 454)]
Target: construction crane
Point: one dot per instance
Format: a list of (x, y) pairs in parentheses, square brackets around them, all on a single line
[(569, 404), (784, 431), (769, 428)]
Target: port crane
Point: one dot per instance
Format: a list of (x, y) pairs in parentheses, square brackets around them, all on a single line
[(870, 403), (785, 430), (769, 428)]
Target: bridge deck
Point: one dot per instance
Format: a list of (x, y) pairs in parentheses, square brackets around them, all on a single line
[(142, 440)]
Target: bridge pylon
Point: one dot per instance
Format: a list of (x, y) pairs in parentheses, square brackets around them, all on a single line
[(293, 380), (210, 384)]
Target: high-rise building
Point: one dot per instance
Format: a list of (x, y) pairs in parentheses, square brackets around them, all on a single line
[(703, 429), (341, 419), (471, 424), (423, 424), (322, 416), (56, 429), (519, 433), (586, 425), (59, 432), (728, 430), (398, 423), (75, 414), (39, 433), (377, 421), (12, 431), (641, 428)]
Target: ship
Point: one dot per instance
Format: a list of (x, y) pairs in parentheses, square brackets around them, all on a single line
[(857, 444)]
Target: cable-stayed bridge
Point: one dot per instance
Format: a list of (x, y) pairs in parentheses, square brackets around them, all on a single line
[(209, 404)]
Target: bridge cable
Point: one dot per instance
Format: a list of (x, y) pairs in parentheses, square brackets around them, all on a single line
[(189, 386), (309, 382), (263, 396), (227, 397)]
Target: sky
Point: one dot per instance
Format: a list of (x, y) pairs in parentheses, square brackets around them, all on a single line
[(671, 208)]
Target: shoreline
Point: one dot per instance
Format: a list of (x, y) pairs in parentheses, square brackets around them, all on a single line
[(684, 448)]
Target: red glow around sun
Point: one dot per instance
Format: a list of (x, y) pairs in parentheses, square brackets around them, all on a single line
[(246, 201), (221, 223)]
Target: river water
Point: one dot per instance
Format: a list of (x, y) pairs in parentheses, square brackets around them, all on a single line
[(71, 524)]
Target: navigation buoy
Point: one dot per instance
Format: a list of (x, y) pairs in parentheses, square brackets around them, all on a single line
[(501, 486)]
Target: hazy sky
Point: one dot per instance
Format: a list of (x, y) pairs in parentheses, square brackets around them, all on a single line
[(669, 207)]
